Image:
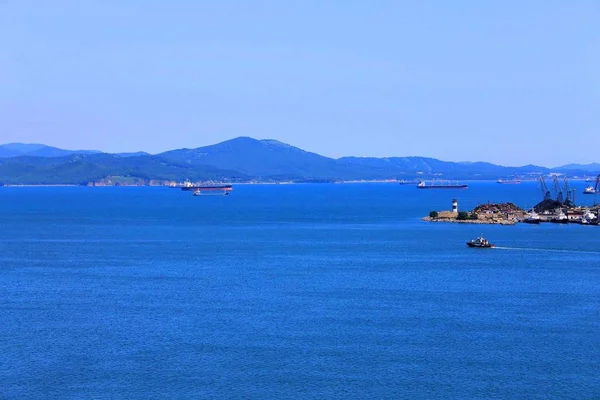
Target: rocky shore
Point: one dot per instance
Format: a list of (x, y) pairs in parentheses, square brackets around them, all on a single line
[(449, 216)]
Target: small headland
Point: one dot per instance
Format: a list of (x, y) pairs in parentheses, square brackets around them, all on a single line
[(490, 213)]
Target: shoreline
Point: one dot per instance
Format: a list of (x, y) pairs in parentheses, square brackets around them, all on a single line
[(353, 182), (485, 214), (204, 183), (471, 221)]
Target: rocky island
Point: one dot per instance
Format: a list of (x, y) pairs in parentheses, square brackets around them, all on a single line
[(490, 213)]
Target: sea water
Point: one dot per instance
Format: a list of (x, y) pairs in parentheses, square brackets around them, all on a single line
[(292, 291)]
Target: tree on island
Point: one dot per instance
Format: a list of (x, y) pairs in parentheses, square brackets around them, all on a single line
[(463, 216), (433, 214)]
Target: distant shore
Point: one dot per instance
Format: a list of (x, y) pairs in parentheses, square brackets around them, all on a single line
[(171, 184), (40, 185), (92, 184)]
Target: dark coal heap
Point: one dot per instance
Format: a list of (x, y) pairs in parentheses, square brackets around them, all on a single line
[(550, 205)]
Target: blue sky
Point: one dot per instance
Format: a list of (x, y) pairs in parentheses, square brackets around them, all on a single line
[(510, 82)]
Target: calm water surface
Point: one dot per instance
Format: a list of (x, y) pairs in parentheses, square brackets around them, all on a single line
[(291, 291)]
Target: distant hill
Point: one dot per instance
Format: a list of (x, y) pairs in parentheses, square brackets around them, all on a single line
[(593, 167), (38, 150), (272, 159), (433, 168), (269, 160), (236, 160), (135, 154), (81, 169), (256, 158), (41, 150)]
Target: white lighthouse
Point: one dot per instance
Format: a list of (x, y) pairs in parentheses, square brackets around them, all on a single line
[(455, 206)]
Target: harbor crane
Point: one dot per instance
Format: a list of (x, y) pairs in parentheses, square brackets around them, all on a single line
[(557, 190), (544, 188), (570, 200), (596, 188)]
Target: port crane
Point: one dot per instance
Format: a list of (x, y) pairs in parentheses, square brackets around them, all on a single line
[(544, 188), (570, 200), (596, 188), (557, 190)]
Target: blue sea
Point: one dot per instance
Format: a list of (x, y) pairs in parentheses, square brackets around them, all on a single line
[(316, 291)]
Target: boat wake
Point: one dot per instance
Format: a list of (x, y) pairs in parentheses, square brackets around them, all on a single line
[(547, 250)]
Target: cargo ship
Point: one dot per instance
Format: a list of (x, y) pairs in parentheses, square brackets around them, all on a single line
[(440, 185), (208, 190), (509, 181)]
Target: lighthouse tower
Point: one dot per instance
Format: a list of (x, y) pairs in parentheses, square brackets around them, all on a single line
[(455, 206)]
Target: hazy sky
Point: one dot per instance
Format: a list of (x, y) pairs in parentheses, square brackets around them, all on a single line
[(510, 82)]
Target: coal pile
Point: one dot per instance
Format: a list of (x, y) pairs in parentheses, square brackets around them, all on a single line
[(547, 205)]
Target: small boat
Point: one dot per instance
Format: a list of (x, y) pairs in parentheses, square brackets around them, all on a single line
[(532, 218), (480, 242), (560, 218), (423, 185), (589, 218), (589, 190)]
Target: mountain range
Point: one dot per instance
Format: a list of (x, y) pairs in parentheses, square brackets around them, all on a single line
[(238, 160), (41, 150)]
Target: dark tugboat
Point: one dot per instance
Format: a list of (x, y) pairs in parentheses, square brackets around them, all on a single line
[(480, 242)]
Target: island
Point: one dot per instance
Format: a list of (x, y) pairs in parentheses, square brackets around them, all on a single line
[(490, 213)]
